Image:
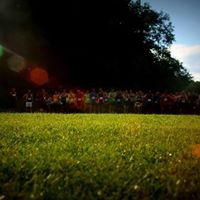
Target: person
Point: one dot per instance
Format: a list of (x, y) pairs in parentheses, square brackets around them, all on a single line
[(13, 100), (197, 104), (183, 103), (106, 102), (45, 96), (40, 100), (132, 100), (167, 102), (93, 101), (138, 105), (72, 101), (148, 103), (192, 108), (49, 103), (86, 101), (79, 100), (156, 103), (63, 101), (56, 101), (125, 101), (28, 101), (112, 96), (100, 100), (119, 101)]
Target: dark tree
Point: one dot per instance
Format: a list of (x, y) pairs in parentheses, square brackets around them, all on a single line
[(170, 73), (194, 87), (100, 43)]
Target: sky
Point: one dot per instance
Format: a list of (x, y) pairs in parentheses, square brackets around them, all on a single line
[(185, 17)]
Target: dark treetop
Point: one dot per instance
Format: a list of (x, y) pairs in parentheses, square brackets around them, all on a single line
[(100, 43)]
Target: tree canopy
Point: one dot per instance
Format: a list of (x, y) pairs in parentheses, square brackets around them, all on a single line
[(108, 43)]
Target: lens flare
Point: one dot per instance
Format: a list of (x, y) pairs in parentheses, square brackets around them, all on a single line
[(16, 63), (39, 76), (196, 150), (1, 50)]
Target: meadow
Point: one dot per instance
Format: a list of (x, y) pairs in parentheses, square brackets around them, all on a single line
[(99, 156)]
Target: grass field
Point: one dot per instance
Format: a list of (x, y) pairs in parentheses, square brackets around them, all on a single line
[(99, 156)]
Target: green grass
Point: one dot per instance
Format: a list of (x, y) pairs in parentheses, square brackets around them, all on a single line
[(103, 156)]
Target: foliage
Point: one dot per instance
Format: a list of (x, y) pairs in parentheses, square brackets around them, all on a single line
[(137, 39), (108, 43), (156, 26), (91, 156), (171, 73), (194, 87)]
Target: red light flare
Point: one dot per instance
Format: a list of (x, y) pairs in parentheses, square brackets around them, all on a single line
[(39, 76), (196, 150)]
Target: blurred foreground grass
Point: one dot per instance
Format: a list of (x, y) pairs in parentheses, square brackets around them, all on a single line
[(99, 156)]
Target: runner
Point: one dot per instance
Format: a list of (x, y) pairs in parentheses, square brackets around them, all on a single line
[(28, 101), (13, 100)]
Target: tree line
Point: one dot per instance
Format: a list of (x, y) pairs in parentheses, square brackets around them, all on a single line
[(108, 43)]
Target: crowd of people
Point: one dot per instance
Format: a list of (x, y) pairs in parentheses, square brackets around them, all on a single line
[(103, 101)]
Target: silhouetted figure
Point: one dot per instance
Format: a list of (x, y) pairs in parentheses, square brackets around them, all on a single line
[(87, 101), (112, 96), (28, 101), (13, 100), (93, 101), (100, 100), (79, 100)]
